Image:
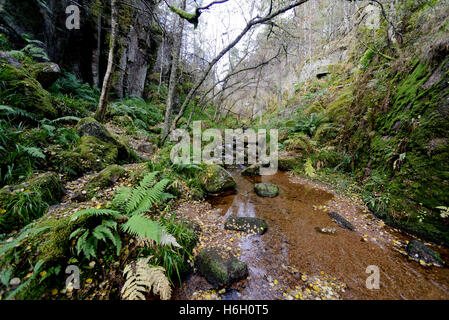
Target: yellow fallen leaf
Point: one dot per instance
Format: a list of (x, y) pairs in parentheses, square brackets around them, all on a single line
[(54, 292), (89, 281)]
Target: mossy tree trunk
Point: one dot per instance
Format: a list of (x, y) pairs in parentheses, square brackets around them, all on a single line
[(102, 105)]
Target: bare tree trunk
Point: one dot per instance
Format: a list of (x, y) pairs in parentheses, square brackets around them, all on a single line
[(103, 104), (174, 73)]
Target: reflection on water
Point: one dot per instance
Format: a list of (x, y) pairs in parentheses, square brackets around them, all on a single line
[(293, 240)]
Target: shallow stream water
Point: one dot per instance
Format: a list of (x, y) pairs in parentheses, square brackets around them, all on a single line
[(292, 240)]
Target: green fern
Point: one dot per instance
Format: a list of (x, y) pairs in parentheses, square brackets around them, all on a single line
[(128, 203), (15, 112), (142, 227)]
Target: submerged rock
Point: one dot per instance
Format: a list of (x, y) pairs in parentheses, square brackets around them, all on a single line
[(342, 222), (266, 190), (420, 252), (246, 224), (216, 180), (326, 230), (218, 269)]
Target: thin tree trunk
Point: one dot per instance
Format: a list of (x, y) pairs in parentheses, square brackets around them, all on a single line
[(104, 97), (249, 26), (174, 73)]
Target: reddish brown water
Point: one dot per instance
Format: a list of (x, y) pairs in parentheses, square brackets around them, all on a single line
[(292, 240)]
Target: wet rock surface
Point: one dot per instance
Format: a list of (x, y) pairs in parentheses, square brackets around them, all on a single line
[(217, 180), (342, 222), (220, 268), (418, 251), (252, 171), (266, 190), (246, 224)]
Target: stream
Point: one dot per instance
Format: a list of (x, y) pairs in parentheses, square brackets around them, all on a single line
[(292, 248)]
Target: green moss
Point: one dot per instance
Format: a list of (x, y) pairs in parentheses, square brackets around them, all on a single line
[(104, 179), (21, 204), (20, 90), (95, 153)]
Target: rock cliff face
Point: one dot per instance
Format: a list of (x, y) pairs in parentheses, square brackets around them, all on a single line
[(84, 52)]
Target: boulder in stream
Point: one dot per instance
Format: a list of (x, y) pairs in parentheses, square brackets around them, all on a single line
[(216, 180), (342, 222), (418, 251), (246, 224), (220, 268), (266, 190), (251, 171)]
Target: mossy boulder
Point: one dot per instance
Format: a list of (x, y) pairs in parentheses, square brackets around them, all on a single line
[(215, 180), (22, 203), (104, 179), (418, 251), (46, 73), (287, 164), (342, 222), (252, 171), (266, 190), (22, 91), (219, 268), (246, 224), (90, 154), (91, 127)]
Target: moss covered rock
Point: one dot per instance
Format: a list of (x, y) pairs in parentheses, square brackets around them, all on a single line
[(22, 203), (215, 179), (287, 164), (46, 73), (252, 171), (104, 179), (93, 128), (96, 154), (246, 224), (22, 91), (266, 190), (220, 270)]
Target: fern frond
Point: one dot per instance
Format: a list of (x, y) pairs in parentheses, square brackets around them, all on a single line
[(32, 151), (12, 111), (145, 199), (148, 180), (142, 227), (167, 239), (67, 118), (97, 212), (121, 197), (141, 279)]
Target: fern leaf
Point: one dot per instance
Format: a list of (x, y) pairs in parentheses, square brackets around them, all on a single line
[(122, 197), (148, 180), (141, 279), (81, 243), (97, 212), (32, 151), (167, 239), (143, 227)]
